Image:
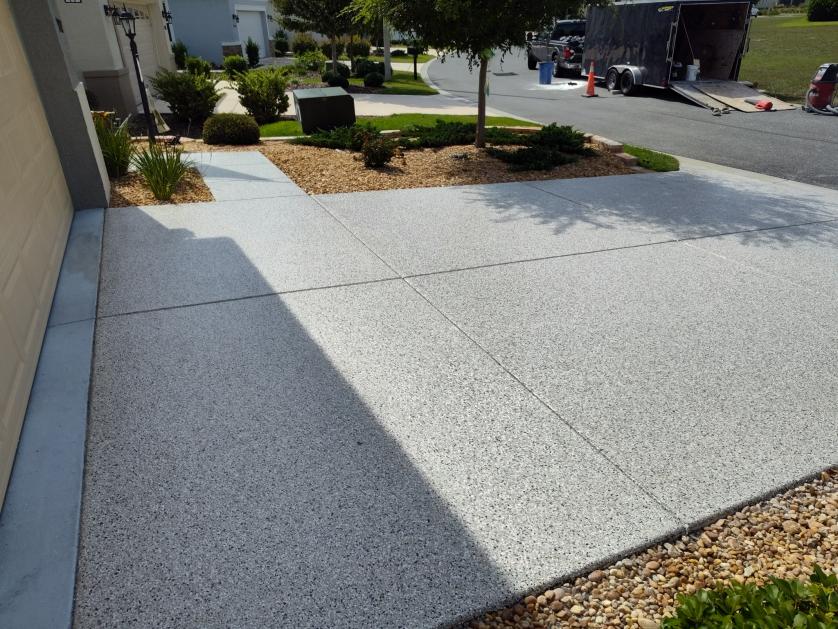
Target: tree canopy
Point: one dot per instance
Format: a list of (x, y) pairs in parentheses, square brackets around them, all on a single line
[(329, 17), (474, 28)]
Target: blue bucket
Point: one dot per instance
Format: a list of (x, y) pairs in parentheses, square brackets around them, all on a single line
[(545, 72)]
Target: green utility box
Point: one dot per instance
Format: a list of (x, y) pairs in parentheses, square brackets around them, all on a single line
[(324, 108)]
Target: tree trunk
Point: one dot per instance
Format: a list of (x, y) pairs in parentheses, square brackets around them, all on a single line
[(388, 71), (350, 52), (480, 135), (334, 54)]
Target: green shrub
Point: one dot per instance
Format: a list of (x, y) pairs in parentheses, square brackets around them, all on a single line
[(340, 68), (280, 46), (116, 145), (364, 66), (162, 167), (564, 139), (198, 66), (441, 134), (377, 151), (779, 604), (326, 48), (262, 94), (346, 138), (374, 79), (360, 48), (398, 52), (251, 49), (311, 61), (191, 97), (231, 129), (302, 43), (180, 52), (822, 10), (234, 65), (333, 79), (531, 157)]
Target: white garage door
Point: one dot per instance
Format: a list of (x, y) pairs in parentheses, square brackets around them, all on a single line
[(252, 24), (145, 43), (35, 213)]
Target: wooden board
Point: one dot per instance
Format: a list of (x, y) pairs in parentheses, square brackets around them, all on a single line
[(733, 94), (688, 90)]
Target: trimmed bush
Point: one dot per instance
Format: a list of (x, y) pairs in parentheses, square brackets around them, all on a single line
[(377, 151), (822, 10), (191, 97), (231, 129), (311, 61), (341, 69), (180, 52), (441, 134), (116, 145), (398, 52), (326, 48), (198, 66), (251, 49), (531, 158), (262, 94), (364, 66), (334, 79), (280, 46), (779, 604), (235, 65), (302, 43), (360, 48), (374, 79), (564, 139), (162, 167)]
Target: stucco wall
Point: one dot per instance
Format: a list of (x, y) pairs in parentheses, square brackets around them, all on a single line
[(90, 36)]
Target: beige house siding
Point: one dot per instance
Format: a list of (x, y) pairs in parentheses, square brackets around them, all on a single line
[(35, 213)]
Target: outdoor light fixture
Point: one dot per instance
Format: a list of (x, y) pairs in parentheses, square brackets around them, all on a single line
[(167, 20), (72, 1), (270, 18), (111, 11), (235, 18), (129, 24)]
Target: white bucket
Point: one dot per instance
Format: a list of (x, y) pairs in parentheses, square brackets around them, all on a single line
[(692, 73)]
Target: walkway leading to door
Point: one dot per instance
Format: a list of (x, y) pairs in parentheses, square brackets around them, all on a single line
[(402, 408)]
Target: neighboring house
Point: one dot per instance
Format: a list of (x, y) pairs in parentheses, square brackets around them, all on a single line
[(50, 165), (100, 50), (214, 28)]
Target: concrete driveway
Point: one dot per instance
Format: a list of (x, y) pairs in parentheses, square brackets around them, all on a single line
[(402, 408)]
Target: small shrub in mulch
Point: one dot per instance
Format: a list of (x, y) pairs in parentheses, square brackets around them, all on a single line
[(531, 158), (263, 94), (346, 138), (335, 79), (191, 97), (377, 151), (235, 129), (234, 65), (374, 79)]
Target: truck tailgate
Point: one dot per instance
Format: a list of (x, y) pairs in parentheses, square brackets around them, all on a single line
[(715, 94)]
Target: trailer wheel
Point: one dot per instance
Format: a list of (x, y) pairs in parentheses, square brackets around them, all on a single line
[(627, 84), (532, 62), (612, 79)]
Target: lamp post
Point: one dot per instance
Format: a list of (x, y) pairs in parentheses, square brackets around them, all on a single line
[(167, 20), (129, 25)]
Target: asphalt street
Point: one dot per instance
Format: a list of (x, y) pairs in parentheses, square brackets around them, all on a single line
[(788, 144)]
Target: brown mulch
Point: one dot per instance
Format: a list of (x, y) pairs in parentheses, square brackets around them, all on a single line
[(130, 190), (324, 171)]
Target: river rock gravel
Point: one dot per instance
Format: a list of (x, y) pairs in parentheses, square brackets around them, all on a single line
[(784, 536)]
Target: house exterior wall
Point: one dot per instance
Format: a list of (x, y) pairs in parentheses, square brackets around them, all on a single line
[(35, 212), (204, 25)]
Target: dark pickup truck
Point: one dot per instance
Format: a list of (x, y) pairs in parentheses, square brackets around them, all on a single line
[(563, 46)]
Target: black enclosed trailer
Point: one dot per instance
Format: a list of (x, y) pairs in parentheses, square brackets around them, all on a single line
[(693, 47)]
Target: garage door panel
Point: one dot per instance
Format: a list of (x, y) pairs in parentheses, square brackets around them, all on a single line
[(19, 308), (251, 24)]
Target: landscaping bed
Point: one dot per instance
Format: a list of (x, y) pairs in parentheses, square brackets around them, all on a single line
[(130, 190), (323, 171), (785, 537)]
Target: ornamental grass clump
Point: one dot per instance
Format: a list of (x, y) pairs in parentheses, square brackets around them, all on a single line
[(117, 147), (162, 168)]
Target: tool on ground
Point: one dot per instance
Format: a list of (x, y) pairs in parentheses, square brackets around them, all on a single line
[(822, 95), (760, 103), (589, 91)]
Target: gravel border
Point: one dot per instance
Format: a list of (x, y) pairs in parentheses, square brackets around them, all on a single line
[(783, 536)]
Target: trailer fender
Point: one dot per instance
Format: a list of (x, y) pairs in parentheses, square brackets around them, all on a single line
[(639, 73)]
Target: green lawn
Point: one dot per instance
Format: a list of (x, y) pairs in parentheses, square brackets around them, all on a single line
[(652, 160), (407, 59), (785, 52), (396, 121), (402, 83)]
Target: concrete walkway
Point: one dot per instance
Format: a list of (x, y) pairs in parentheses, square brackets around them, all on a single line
[(401, 408)]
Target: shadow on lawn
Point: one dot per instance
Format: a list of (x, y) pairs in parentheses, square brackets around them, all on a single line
[(674, 206), (235, 478)]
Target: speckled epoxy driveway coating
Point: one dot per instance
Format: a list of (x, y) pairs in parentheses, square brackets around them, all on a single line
[(397, 409)]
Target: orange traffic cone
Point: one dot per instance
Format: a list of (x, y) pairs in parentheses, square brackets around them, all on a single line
[(589, 91)]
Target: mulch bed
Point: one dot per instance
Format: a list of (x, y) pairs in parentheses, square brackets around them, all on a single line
[(130, 190), (326, 171), (783, 537)]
